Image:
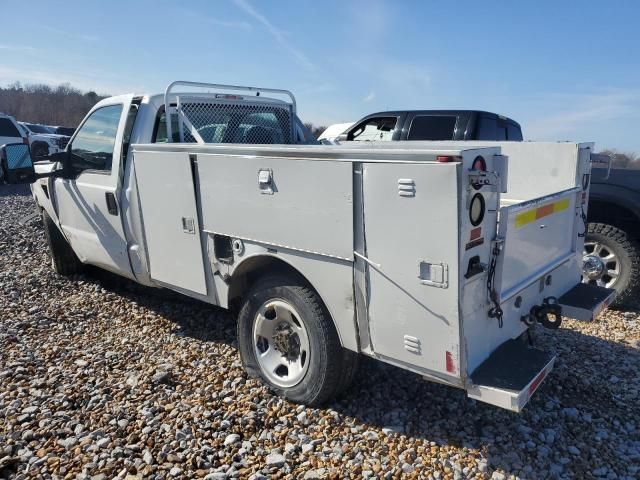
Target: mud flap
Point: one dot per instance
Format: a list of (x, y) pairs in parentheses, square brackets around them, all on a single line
[(510, 376), (586, 301)]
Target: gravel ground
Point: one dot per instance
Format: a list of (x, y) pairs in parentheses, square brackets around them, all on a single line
[(101, 378)]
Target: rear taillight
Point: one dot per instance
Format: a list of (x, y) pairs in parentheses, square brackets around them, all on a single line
[(479, 164), (445, 158), (25, 140)]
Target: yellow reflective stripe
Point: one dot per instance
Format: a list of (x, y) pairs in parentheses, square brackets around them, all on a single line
[(561, 205), (524, 218)]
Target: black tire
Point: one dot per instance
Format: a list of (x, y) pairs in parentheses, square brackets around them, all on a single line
[(39, 150), (331, 367), (350, 362), (628, 252), (63, 259)]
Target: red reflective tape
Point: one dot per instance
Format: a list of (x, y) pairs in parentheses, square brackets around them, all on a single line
[(451, 367), (536, 383), (544, 211), (475, 233)]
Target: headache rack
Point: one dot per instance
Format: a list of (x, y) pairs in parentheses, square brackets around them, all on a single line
[(218, 116)]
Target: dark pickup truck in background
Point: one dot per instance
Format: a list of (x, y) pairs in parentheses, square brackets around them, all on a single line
[(612, 248), (433, 125), (612, 243)]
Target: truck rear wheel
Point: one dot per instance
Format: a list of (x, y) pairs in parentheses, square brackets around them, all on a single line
[(288, 340), (63, 259), (612, 260)]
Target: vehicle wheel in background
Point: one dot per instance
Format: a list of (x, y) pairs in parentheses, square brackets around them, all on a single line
[(63, 259), (39, 150), (612, 260), (288, 340)]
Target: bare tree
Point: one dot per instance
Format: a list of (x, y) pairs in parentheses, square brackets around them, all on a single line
[(315, 131), (39, 103)]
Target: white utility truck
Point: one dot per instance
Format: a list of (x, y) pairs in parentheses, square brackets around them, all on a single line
[(399, 252)]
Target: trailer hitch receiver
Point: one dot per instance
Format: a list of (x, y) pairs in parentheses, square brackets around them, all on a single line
[(549, 314)]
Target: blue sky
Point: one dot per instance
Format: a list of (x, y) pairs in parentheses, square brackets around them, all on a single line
[(566, 70)]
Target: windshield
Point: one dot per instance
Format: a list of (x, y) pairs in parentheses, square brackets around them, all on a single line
[(33, 128)]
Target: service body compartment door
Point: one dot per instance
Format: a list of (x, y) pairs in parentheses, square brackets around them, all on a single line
[(170, 218), (538, 236), (411, 234), (304, 205)]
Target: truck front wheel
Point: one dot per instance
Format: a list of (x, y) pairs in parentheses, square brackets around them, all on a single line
[(288, 340), (612, 260), (63, 259)]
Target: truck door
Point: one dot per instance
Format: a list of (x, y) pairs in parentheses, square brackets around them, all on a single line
[(88, 204)]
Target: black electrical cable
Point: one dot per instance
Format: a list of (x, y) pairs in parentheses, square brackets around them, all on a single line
[(496, 310), (583, 216)]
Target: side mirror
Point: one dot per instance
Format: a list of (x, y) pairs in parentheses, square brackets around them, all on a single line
[(61, 157), (16, 165)]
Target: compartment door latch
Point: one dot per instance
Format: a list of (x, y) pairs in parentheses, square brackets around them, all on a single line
[(265, 181), (433, 274)]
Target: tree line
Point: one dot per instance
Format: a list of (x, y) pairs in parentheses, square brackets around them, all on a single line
[(61, 105), (316, 130), (623, 160)]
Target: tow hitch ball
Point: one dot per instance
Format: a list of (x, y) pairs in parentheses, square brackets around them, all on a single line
[(549, 314)]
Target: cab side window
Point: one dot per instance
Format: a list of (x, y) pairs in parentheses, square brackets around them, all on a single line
[(160, 129), (432, 127), (8, 129), (375, 129), (491, 129), (93, 145), (514, 133)]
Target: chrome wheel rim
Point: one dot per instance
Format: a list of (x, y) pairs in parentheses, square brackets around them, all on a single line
[(281, 343), (601, 266)]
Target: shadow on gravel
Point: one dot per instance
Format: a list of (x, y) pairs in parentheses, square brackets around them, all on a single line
[(193, 318), (584, 396), (19, 190)]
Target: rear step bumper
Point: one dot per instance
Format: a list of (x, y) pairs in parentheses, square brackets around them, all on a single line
[(586, 301), (510, 376)]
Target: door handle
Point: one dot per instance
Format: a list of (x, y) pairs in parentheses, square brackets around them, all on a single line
[(265, 181), (112, 206)]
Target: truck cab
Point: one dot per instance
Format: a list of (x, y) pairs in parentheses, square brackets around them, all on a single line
[(98, 154)]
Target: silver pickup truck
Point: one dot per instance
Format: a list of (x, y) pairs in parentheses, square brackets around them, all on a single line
[(412, 255)]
